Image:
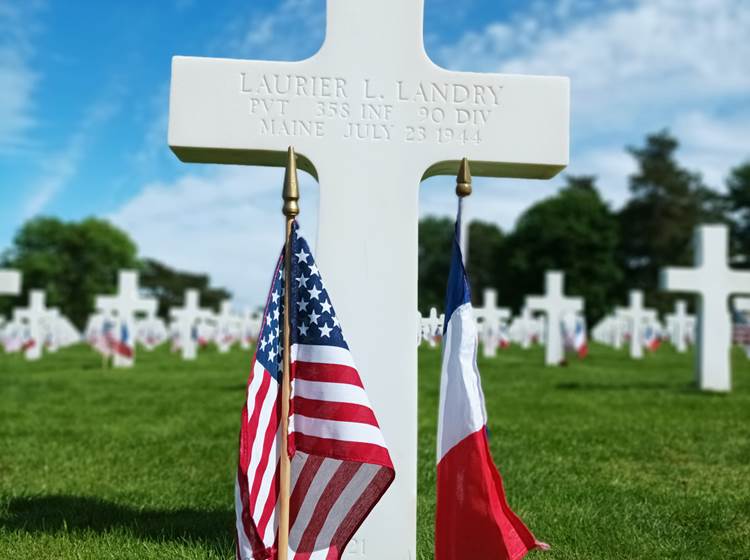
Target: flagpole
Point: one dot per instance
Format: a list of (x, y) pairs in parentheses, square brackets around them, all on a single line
[(290, 210), (463, 189)]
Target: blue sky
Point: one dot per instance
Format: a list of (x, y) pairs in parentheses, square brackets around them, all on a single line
[(83, 107)]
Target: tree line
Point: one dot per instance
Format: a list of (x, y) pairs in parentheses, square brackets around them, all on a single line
[(76, 261), (603, 252)]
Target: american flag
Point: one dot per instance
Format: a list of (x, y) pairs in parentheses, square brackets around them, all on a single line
[(340, 463)]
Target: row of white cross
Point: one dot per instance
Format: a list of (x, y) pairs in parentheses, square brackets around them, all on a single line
[(634, 322), (226, 327), (37, 327), (712, 280)]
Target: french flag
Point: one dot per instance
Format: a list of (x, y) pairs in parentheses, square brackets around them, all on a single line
[(580, 339), (473, 518)]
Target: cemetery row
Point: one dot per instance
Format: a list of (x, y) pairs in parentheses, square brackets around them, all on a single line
[(552, 319)]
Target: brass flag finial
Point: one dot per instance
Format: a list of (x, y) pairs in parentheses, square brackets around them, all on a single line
[(463, 179), (291, 186)]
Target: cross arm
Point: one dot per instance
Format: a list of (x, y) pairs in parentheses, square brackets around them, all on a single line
[(374, 102), (536, 303), (676, 279), (739, 282), (575, 303)]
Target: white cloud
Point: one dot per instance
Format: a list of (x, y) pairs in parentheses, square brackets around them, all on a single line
[(225, 221), (635, 67), (58, 169), (625, 61), (292, 31), (17, 78), (713, 144)]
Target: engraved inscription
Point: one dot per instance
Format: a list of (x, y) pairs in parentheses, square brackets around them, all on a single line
[(367, 110)]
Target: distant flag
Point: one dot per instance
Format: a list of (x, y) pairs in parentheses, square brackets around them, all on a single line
[(504, 336), (340, 464), (651, 338), (122, 344), (741, 330), (195, 334), (102, 339), (580, 337), (473, 518), (28, 341)]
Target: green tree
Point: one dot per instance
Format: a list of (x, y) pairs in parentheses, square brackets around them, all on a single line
[(738, 197), (573, 231), (71, 261), (486, 264), (168, 286), (657, 223), (435, 241)]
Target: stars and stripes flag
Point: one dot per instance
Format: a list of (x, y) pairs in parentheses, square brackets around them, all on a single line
[(122, 343), (473, 518), (340, 464)]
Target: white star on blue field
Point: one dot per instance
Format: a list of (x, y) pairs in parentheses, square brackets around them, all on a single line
[(84, 97)]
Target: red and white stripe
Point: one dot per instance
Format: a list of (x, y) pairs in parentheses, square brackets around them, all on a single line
[(340, 463), (257, 483)]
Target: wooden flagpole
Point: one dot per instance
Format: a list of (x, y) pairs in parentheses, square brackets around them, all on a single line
[(290, 210)]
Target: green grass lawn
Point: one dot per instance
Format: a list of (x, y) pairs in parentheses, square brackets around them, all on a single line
[(602, 459)]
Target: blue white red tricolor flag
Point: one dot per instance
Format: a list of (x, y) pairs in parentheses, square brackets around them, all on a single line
[(473, 518), (340, 463), (651, 339), (580, 338)]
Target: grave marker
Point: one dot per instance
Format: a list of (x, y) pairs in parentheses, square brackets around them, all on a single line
[(227, 326), (714, 282), (554, 305), (371, 116), (636, 315), (186, 318), (34, 315), (490, 318), (10, 282), (125, 304), (680, 325)]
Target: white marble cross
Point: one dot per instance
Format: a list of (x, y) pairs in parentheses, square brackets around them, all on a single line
[(227, 327), (432, 327), (34, 317), (528, 328), (371, 116), (125, 304), (186, 318), (714, 282), (554, 304), (10, 282), (636, 315), (680, 325), (490, 319)]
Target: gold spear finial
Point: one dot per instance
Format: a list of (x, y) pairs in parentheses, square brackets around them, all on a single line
[(463, 179), (291, 186)]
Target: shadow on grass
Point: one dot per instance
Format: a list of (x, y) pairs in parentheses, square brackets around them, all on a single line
[(52, 514), (636, 386)]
